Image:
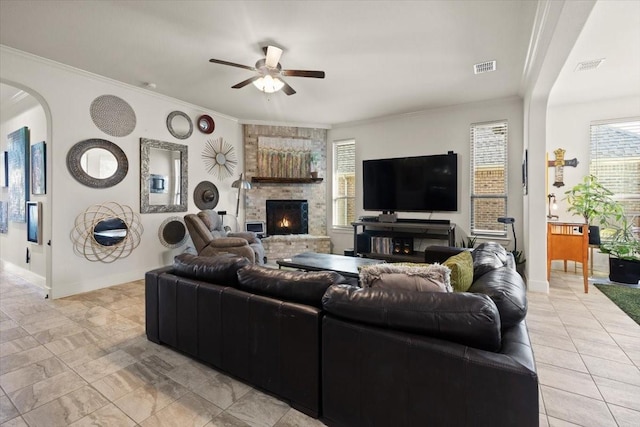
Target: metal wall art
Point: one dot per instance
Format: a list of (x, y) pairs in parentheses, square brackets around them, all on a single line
[(173, 232), (219, 157), (97, 163), (179, 125), (38, 168), (113, 115), (18, 144), (106, 232)]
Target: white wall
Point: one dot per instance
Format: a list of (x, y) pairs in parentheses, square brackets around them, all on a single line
[(568, 127), (435, 131), (68, 94), (14, 244)]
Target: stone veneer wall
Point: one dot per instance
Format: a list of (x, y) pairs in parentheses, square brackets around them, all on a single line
[(276, 247), (315, 194)]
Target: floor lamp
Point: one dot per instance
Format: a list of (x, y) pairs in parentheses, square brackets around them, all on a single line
[(510, 220), (240, 184)]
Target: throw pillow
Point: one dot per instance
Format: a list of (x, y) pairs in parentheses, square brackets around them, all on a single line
[(421, 277), (461, 266)]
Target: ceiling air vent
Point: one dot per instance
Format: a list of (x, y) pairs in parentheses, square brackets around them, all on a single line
[(484, 67), (589, 65)]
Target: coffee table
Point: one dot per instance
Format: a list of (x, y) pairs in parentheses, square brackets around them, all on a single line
[(311, 261)]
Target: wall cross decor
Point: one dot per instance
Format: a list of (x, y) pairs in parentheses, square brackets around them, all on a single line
[(559, 163)]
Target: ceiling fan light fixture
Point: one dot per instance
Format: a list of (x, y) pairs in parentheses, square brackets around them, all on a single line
[(268, 84)]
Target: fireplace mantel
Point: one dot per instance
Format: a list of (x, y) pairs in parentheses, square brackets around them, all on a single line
[(270, 180)]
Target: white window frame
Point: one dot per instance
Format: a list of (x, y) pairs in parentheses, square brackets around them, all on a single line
[(334, 197), (474, 231)]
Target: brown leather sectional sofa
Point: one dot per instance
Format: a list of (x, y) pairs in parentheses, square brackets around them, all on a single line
[(352, 356)]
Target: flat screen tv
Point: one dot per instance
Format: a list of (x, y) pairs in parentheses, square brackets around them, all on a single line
[(411, 184)]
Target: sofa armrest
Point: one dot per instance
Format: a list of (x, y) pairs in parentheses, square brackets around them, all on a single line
[(249, 236), (151, 301)]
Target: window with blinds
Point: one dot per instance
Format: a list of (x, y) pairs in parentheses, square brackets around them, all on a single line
[(488, 178), (615, 160), (344, 183)]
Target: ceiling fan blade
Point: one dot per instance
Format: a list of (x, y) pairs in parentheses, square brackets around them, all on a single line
[(273, 56), (303, 73), (245, 82), (287, 89), (233, 64)]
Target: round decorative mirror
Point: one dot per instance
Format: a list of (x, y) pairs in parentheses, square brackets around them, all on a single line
[(179, 125), (109, 232), (106, 232), (97, 163), (172, 232)]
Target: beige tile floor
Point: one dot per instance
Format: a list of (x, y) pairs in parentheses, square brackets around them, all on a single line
[(84, 360)]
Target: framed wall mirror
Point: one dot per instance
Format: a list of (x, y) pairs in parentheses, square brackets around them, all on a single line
[(179, 125), (168, 161), (97, 163)]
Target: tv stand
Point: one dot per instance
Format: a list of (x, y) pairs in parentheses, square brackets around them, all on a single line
[(393, 241)]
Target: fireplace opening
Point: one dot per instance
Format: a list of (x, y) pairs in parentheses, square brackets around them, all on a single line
[(287, 217)]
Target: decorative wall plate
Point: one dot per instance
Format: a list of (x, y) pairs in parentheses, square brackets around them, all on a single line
[(206, 124), (113, 115), (219, 157), (206, 195)]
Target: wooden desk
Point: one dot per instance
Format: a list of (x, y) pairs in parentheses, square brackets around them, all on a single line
[(568, 242)]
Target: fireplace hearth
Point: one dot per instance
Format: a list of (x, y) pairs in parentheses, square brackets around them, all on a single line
[(287, 217)]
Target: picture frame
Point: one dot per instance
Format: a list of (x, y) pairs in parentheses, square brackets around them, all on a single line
[(34, 222), (38, 168), (4, 169), (4, 217), (525, 172), (18, 148)]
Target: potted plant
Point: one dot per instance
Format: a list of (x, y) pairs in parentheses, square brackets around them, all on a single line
[(594, 202), (623, 248)]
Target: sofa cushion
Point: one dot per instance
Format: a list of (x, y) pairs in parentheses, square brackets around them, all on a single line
[(465, 318), (439, 254), (408, 277), (295, 286), (220, 269), (507, 290), (461, 266), (489, 256)]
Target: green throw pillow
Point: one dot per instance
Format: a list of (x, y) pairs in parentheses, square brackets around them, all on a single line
[(461, 266)]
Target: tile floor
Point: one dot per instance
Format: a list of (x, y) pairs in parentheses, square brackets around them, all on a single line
[(84, 360)]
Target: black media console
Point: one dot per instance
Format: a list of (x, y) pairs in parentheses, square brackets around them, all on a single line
[(393, 241)]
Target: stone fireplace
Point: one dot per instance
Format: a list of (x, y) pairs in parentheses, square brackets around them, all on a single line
[(285, 245), (287, 217)]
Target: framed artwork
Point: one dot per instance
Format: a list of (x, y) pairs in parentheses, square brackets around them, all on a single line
[(525, 172), (18, 147), (38, 168), (34, 222), (4, 169), (4, 217)]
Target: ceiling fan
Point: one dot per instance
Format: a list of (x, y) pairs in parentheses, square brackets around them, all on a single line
[(269, 72)]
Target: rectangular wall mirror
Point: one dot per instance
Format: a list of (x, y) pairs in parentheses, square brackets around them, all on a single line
[(163, 176)]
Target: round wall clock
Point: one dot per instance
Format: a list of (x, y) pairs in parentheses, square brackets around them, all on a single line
[(206, 124), (219, 157)]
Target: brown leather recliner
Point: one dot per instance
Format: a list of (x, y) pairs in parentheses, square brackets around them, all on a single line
[(209, 245), (210, 238)]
